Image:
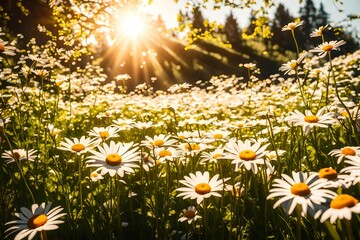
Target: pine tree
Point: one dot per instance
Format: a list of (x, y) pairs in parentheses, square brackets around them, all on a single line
[(281, 18), (198, 20), (322, 16), (308, 14), (231, 30)]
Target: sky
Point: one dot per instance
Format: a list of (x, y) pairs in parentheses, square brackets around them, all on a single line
[(168, 9)]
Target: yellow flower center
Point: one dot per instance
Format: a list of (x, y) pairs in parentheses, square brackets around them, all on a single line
[(311, 119), (218, 136), (327, 173), (202, 188), (342, 201), (192, 146), (247, 155), (158, 143), (164, 153), (293, 65), (345, 114), (2, 48), (300, 189), (37, 221), (292, 26), (348, 151), (113, 159), (327, 48), (217, 155), (272, 156), (94, 175), (189, 214), (78, 147), (104, 134)]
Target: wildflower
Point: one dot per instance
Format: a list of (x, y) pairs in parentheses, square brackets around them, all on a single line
[(11, 156), (5, 49), (123, 124), (162, 154), (53, 130), (102, 133), (78, 146), (308, 120), (38, 219), (291, 26), (245, 154), (122, 77), (320, 31), (116, 158), (326, 47), (179, 87), (334, 179), (249, 65), (272, 156), (348, 152), (237, 190), (342, 206), (192, 147), (292, 65), (190, 215), (217, 135), (158, 141), (199, 186), (212, 156), (142, 125), (95, 176), (301, 189)]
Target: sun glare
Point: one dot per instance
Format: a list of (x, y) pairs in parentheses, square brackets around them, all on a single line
[(133, 25)]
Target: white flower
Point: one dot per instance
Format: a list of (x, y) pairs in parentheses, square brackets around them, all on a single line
[(212, 156), (167, 153), (247, 155), (5, 49), (78, 146), (301, 189), (326, 47), (116, 158), (11, 156), (291, 26), (292, 65), (158, 141), (309, 120), (200, 186), (102, 133), (349, 152), (190, 215), (320, 31), (38, 219), (341, 207)]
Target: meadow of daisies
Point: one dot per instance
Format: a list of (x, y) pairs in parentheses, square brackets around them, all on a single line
[(229, 158)]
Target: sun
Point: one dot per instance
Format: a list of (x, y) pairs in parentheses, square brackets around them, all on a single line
[(133, 25)]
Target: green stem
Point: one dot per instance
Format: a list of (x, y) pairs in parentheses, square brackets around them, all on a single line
[(298, 222), (349, 229), (296, 44)]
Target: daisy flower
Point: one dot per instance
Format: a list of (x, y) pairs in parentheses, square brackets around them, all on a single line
[(116, 158), (301, 189), (217, 135), (95, 176), (212, 156), (200, 186), (192, 147), (123, 124), (334, 179), (142, 125), (272, 155), (179, 87), (341, 207), (53, 130), (11, 156), (158, 141), (162, 154), (245, 154), (78, 146), (309, 120), (326, 47), (102, 133), (6, 49), (38, 219), (190, 215), (291, 26), (291, 66), (148, 162), (320, 31), (348, 152)]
